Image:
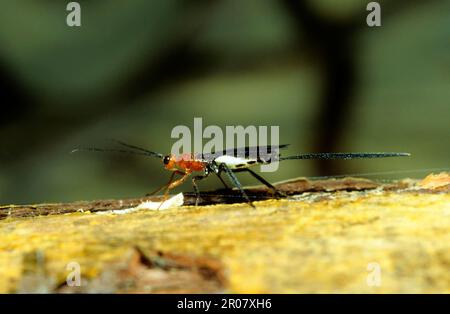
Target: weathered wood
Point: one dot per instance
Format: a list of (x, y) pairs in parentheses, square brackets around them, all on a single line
[(221, 196), (328, 236)]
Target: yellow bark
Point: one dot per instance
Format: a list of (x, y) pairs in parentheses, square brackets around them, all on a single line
[(376, 241)]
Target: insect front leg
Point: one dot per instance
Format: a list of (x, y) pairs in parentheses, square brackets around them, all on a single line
[(174, 184), (167, 184), (177, 182)]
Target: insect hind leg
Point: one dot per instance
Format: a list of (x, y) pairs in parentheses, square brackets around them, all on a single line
[(263, 181)]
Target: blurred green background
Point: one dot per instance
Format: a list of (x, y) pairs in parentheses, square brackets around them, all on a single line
[(137, 68)]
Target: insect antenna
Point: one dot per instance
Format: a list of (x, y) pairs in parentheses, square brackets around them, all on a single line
[(136, 151), (102, 150), (137, 148), (344, 155)]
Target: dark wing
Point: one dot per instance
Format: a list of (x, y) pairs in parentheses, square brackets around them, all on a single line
[(260, 153)]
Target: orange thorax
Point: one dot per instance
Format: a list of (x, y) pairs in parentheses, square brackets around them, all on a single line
[(185, 163)]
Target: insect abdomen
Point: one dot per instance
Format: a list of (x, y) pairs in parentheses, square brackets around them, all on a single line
[(236, 162)]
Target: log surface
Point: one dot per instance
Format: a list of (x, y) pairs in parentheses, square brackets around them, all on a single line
[(339, 235)]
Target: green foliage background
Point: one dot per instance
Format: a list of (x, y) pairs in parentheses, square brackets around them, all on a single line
[(108, 79)]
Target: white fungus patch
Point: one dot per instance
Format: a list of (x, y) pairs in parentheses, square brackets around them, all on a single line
[(174, 201)]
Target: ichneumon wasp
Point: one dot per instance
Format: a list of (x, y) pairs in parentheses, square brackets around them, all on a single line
[(229, 161)]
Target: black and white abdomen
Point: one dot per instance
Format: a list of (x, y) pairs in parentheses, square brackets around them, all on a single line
[(236, 162)]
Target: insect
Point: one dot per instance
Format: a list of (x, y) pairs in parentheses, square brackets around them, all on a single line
[(229, 161)]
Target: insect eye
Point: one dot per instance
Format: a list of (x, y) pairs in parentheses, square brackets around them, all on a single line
[(166, 160)]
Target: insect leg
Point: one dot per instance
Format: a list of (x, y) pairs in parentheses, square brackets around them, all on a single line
[(174, 184), (165, 185), (213, 167), (177, 182), (262, 180), (194, 184), (236, 183), (219, 175)]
